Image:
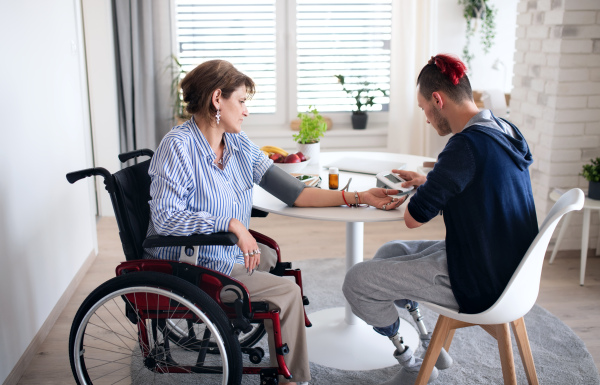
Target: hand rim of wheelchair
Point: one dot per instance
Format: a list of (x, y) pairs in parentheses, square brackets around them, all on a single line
[(163, 285)]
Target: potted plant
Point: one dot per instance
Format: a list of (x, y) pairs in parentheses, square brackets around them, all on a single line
[(473, 11), (312, 128), (591, 172), (364, 95), (180, 115)]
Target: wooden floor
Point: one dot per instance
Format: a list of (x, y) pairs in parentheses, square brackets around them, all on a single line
[(560, 293)]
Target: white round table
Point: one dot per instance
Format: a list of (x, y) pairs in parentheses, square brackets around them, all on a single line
[(338, 338)]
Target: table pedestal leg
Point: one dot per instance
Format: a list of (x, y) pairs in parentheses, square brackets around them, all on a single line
[(341, 340), (585, 237)]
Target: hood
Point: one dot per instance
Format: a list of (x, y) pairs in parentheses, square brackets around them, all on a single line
[(500, 130)]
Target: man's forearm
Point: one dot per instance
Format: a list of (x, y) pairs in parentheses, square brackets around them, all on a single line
[(410, 222)]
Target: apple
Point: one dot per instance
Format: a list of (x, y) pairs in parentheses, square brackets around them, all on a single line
[(276, 158), (301, 156), (292, 158)]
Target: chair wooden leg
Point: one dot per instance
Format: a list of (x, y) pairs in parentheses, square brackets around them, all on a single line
[(522, 339), (439, 336), (449, 339), (506, 354)]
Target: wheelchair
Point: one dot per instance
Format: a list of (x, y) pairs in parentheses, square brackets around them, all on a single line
[(169, 322)]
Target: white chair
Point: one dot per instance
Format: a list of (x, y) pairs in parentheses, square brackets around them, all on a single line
[(516, 301), (495, 100)]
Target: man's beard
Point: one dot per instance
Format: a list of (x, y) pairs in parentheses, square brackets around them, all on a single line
[(441, 124)]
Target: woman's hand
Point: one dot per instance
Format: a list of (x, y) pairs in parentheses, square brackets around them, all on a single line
[(247, 244), (381, 199), (412, 178)]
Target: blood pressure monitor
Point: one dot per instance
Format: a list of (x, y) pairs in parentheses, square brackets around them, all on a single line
[(393, 181)]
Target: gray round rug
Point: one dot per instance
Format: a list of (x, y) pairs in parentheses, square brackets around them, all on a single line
[(560, 356)]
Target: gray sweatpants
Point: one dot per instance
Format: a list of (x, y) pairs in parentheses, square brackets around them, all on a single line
[(415, 270)]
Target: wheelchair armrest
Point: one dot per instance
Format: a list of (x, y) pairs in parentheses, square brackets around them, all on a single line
[(270, 242), (258, 213), (221, 238)]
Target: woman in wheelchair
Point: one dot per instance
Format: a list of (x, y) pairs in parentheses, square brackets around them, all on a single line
[(202, 175)]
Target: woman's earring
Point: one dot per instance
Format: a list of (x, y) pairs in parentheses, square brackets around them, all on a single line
[(218, 116)]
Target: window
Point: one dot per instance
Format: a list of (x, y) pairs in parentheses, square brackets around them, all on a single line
[(347, 38), (240, 32), (292, 49)]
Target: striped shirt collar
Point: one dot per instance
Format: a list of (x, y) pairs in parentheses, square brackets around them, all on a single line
[(205, 148)]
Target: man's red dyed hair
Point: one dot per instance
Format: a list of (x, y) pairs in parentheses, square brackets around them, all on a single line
[(445, 73)]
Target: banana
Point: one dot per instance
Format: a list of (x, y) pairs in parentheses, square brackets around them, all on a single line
[(274, 149), (266, 153)]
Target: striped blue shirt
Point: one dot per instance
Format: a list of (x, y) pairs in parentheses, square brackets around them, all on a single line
[(191, 195)]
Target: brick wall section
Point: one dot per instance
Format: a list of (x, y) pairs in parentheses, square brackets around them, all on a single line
[(555, 99)]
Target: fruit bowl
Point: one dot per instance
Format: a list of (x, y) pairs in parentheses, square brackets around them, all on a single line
[(292, 167)]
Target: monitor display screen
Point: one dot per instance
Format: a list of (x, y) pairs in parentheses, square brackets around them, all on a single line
[(393, 178)]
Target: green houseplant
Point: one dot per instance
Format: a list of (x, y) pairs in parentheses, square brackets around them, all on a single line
[(591, 172), (364, 95), (312, 128), (474, 11), (179, 113)]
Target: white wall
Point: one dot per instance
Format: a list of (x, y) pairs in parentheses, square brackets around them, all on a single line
[(450, 38), (47, 226)]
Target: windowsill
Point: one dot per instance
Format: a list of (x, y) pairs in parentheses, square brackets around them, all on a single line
[(338, 138), (375, 129)]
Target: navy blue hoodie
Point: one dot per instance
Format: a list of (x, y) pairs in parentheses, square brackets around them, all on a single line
[(481, 184)]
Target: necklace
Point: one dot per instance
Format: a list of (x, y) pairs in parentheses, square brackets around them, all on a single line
[(220, 161)]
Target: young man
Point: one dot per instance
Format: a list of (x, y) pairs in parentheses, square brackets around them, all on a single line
[(481, 185)]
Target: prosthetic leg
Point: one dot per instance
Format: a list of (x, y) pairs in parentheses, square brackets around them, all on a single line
[(410, 365), (444, 360)]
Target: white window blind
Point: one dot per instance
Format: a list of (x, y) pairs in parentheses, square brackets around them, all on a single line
[(239, 31), (351, 38), (327, 37)]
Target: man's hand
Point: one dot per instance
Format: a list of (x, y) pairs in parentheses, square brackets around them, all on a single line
[(412, 178)]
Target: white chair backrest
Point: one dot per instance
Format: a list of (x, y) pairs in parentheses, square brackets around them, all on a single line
[(523, 288)]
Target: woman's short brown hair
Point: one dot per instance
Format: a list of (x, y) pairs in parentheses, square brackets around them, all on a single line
[(200, 83)]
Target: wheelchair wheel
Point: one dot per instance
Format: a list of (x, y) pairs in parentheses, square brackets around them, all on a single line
[(120, 334)]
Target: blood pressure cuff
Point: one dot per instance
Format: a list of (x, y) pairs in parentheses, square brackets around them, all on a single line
[(281, 185)]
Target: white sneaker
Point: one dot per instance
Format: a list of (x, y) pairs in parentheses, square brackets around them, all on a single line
[(410, 366)]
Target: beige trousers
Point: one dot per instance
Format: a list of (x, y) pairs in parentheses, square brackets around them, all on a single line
[(284, 295)]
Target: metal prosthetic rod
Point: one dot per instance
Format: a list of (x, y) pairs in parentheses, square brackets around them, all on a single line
[(413, 310), (391, 332), (444, 360), (398, 343)]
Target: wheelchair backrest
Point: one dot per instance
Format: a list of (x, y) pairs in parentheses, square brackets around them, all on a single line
[(132, 194)]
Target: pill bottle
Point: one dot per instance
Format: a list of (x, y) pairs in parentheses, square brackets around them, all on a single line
[(334, 178)]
